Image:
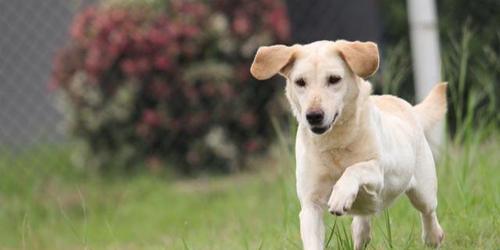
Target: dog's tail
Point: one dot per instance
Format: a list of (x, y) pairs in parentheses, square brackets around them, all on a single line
[(433, 108)]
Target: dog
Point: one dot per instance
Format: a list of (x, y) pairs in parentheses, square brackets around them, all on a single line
[(355, 152)]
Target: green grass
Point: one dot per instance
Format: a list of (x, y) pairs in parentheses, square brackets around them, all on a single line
[(49, 205)]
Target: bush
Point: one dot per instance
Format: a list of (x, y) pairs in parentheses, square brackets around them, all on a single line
[(147, 85)]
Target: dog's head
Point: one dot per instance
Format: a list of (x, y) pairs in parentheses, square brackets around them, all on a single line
[(322, 77)]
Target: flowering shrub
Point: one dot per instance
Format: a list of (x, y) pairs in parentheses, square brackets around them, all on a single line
[(143, 85)]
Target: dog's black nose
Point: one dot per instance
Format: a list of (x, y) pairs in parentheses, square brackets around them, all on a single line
[(315, 117)]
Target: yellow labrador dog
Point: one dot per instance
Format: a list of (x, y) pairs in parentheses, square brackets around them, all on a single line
[(356, 152)]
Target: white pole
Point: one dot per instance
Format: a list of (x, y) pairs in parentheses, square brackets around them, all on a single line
[(425, 55)]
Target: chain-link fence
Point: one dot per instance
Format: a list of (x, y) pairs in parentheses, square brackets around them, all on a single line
[(31, 33)]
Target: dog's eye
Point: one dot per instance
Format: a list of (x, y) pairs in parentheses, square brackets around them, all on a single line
[(333, 79), (300, 82)]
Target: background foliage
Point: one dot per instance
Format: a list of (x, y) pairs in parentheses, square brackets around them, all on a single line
[(470, 49), (168, 80)]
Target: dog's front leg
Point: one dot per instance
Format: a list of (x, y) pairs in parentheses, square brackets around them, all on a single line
[(313, 194), (312, 230), (366, 174)]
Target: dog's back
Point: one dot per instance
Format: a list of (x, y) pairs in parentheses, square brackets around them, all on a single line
[(427, 113), (392, 105)]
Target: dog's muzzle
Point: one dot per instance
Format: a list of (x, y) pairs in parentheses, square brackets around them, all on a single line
[(318, 129)]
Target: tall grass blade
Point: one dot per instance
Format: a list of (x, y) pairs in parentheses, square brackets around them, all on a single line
[(332, 230)]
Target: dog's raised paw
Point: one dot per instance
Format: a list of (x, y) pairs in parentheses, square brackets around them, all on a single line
[(341, 200)]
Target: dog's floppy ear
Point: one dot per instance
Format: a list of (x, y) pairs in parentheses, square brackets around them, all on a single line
[(270, 60), (362, 57)]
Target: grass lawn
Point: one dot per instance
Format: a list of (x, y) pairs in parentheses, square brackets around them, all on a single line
[(50, 205)]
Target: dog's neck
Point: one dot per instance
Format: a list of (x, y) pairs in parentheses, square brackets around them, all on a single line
[(352, 125)]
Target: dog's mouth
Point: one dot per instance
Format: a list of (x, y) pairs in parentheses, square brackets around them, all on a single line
[(319, 130), (322, 129)]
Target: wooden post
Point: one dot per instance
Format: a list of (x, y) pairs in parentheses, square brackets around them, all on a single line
[(425, 56)]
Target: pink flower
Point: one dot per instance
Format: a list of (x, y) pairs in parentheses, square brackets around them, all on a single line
[(118, 40), (196, 9), (77, 30), (113, 52), (160, 89), (151, 118), (143, 65), (140, 43), (162, 63), (241, 25), (174, 29), (129, 67), (278, 21), (95, 64), (103, 25), (118, 15), (190, 31), (80, 24), (158, 37)]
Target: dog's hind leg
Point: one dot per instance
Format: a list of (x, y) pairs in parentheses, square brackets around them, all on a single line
[(423, 196), (361, 227), (432, 234)]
